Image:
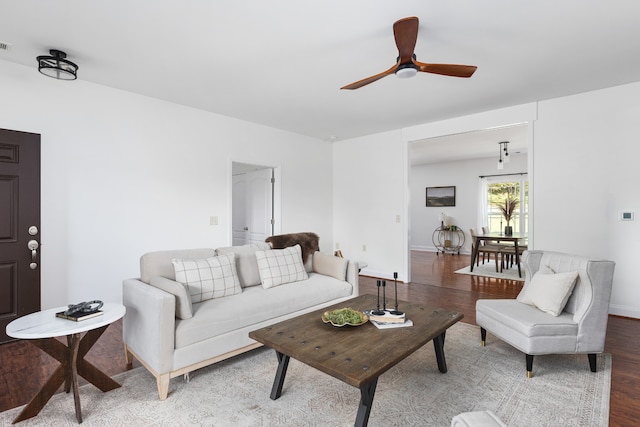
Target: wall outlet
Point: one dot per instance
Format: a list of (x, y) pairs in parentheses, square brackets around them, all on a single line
[(337, 245), (364, 248), (213, 220), (398, 218)]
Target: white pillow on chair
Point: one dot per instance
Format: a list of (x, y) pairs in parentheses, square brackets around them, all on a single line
[(549, 291)]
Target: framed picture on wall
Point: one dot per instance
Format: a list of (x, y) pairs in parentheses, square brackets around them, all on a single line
[(441, 196)]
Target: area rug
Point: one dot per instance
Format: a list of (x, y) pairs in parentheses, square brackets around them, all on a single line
[(563, 392), (488, 269)]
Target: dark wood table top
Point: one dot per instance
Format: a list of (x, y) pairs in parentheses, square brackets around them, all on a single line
[(355, 354)]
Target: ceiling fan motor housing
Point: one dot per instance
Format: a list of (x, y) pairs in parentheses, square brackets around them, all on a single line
[(407, 70)]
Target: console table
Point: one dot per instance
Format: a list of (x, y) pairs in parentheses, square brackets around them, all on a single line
[(449, 240), (41, 328)]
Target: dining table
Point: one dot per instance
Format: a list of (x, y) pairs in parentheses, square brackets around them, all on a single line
[(498, 238)]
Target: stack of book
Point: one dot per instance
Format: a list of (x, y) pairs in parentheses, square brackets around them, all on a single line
[(388, 320), (79, 315)]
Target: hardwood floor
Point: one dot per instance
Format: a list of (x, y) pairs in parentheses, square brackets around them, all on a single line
[(24, 368)]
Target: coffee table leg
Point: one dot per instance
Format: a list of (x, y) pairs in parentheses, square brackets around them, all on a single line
[(367, 392), (438, 345), (283, 364)]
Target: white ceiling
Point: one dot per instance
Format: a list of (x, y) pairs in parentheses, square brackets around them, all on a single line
[(281, 63), (470, 145)]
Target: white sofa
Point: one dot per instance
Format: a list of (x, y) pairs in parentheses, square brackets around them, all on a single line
[(172, 336)]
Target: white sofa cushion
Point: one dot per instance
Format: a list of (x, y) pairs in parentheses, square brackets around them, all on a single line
[(183, 300), (158, 263), (246, 263), (256, 304), (280, 266), (214, 277), (330, 265), (549, 291)]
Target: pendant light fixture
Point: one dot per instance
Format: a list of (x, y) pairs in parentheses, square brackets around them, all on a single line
[(56, 66), (504, 154)]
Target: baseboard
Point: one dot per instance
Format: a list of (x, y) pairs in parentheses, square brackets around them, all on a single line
[(423, 248), (624, 311), (463, 251)]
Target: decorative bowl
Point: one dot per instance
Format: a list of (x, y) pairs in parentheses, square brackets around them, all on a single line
[(334, 316)]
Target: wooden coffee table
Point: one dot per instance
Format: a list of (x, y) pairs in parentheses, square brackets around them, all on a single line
[(356, 355)]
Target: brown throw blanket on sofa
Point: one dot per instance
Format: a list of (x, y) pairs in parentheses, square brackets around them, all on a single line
[(307, 241)]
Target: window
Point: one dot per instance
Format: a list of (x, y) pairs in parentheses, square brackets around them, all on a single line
[(494, 191)]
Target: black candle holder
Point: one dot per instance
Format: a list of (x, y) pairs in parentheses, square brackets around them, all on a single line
[(395, 283), (384, 295), (377, 311)]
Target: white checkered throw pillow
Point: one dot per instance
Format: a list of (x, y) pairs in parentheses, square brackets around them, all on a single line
[(209, 278), (280, 266)]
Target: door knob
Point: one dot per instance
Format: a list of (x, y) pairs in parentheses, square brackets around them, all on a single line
[(33, 245)]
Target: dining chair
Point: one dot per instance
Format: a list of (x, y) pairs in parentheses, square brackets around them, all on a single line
[(484, 249), (492, 243), (509, 255), (508, 251)]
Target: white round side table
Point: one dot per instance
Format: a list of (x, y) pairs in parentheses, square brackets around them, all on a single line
[(41, 328)]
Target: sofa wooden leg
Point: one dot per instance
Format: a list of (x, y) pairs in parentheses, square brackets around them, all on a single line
[(128, 357), (483, 336), (163, 386), (529, 365), (592, 362)]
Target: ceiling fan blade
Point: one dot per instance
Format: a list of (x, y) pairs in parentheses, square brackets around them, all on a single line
[(405, 32), (371, 79), (453, 70)]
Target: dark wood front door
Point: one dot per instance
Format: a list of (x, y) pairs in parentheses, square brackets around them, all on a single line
[(19, 226)]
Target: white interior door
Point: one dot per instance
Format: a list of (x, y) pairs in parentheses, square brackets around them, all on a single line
[(259, 205), (252, 206), (239, 221)]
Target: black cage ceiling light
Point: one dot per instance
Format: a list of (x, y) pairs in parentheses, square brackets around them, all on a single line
[(504, 154), (57, 66)]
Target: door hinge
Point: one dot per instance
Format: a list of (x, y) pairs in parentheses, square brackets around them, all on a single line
[(273, 221)]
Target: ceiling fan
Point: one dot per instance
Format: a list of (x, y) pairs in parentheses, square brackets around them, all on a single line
[(405, 32)]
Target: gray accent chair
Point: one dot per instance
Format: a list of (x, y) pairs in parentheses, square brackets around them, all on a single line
[(579, 329)]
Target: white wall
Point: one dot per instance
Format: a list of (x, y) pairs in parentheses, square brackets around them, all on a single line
[(586, 168), (369, 195), (371, 180), (465, 176), (124, 174), (582, 173)]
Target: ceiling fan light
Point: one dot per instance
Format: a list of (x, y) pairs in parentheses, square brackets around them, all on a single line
[(56, 66), (406, 71)]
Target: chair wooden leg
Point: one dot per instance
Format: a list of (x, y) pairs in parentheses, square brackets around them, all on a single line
[(592, 362), (483, 336)]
